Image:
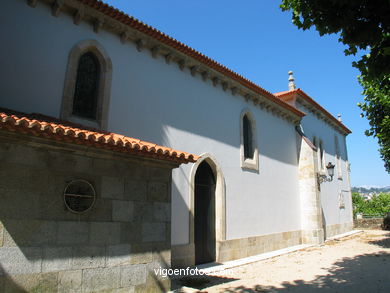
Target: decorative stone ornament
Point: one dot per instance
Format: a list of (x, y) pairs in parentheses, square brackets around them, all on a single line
[(78, 16), (140, 44), (194, 70), (97, 25), (234, 91), (225, 86), (32, 3), (155, 51), (56, 7), (124, 37), (168, 58), (182, 64), (291, 84), (205, 75)]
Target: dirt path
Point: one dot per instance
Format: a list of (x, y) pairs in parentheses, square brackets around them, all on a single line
[(358, 263)]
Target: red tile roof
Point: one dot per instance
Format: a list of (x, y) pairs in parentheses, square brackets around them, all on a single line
[(167, 40), (55, 129), (301, 93)]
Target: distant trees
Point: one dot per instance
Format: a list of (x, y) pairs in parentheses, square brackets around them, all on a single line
[(378, 205)]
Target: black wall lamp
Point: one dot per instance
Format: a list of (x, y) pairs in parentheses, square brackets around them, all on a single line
[(323, 178)]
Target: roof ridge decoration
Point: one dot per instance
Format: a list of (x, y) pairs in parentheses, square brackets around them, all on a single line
[(128, 28), (315, 108), (52, 128)]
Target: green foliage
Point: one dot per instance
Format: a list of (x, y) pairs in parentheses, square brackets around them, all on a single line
[(361, 25), (378, 205), (376, 107)]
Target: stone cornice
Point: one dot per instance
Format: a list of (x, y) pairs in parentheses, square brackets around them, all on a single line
[(157, 48), (320, 115)]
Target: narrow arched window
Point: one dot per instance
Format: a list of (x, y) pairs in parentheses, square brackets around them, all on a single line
[(248, 137), (85, 98), (249, 153), (321, 157)]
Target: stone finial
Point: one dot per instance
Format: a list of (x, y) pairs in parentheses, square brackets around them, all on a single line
[(291, 84), (339, 117)]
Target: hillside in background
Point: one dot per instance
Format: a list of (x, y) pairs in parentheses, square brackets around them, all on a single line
[(371, 189)]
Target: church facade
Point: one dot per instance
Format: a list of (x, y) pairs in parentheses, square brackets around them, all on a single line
[(262, 179)]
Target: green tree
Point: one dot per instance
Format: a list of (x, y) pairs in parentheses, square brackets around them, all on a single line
[(361, 25), (377, 205)]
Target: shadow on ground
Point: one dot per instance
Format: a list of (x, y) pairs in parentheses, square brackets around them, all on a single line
[(363, 273), (199, 282), (385, 243)]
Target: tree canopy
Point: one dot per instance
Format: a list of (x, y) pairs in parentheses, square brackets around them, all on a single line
[(378, 205), (361, 25)]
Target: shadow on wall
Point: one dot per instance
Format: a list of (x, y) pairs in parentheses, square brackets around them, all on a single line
[(323, 221), (6, 279), (363, 273), (271, 144), (39, 237)]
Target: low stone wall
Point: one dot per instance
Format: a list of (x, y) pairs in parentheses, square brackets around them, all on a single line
[(113, 247), (373, 223)]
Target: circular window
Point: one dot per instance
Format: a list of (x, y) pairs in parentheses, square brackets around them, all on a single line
[(79, 196)]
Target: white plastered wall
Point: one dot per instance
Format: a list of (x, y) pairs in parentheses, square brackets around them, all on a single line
[(157, 102), (330, 191)]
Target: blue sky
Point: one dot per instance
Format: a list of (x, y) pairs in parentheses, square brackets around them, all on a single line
[(257, 40)]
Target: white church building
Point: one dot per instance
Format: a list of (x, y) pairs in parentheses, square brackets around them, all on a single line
[(262, 181)]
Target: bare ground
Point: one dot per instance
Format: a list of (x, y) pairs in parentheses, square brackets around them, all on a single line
[(358, 263)]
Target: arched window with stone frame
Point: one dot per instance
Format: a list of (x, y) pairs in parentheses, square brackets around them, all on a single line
[(248, 148), (87, 85)]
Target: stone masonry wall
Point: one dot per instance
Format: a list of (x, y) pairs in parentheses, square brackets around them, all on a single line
[(311, 220), (113, 247), (369, 223)]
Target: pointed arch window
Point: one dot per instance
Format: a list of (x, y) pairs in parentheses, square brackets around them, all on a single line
[(248, 150), (86, 89)]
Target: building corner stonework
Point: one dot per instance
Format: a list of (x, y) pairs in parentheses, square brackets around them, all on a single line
[(310, 204)]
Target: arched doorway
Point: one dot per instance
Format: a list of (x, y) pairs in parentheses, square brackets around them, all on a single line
[(204, 214)]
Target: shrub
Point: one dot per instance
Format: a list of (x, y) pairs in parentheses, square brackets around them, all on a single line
[(378, 205)]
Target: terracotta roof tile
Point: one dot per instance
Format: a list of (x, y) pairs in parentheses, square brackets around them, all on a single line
[(162, 37), (52, 128), (285, 94)]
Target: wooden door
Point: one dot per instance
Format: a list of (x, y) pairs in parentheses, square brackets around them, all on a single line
[(204, 214)]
